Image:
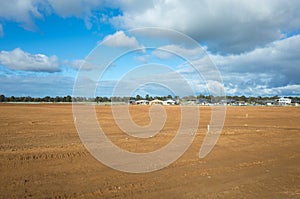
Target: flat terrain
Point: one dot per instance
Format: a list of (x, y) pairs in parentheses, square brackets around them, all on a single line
[(257, 156)]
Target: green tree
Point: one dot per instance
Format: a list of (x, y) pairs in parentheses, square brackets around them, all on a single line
[(57, 99), (243, 98), (105, 99), (98, 99), (12, 99), (138, 97), (46, 99), (147, 97), (68, 98), (2, 98)]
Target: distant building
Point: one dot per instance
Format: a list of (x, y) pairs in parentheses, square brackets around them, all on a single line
[(284, 101), (142, 102), (156, 101), (269, 102), (169, 102), (242, 103), (132, 102)]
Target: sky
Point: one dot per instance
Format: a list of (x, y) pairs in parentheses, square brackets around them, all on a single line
[(156, 47)]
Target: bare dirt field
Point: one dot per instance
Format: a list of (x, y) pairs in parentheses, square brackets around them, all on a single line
[(257, 156)]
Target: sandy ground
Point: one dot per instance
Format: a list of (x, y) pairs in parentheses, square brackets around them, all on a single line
[(257, 156)]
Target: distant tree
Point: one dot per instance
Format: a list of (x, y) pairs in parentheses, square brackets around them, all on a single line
[(46, 99), (138, 97), (2, 98), (26, 99), (97, 99), (164, 98), (251, 99), (158, 97), (12, 99), (147, 97), (105, 99), (200, 96), (68, 98), (37, 99), (275, 97), (57, 99), (243, 98)]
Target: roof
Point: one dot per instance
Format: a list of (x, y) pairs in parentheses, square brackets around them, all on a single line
[(156, 100)]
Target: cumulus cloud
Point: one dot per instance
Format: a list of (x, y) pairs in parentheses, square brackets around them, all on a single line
[(271, 70), (224, 26), (120, 39), (17, 59), (280, 58), (165, 52), (254, 43), (21, 11), (262, 90), (77, 8), (25, 12)]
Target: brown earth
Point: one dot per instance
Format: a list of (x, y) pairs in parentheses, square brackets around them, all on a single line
[(257, 156)]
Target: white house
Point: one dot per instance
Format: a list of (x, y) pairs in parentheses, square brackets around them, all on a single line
[(284, 101), (169, 102), (156, 101), (142, 102)]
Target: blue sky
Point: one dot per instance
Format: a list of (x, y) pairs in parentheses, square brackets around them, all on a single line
[(254, 45)]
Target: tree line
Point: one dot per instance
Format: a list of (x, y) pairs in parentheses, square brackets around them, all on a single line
[(69, 98), (99, 99)]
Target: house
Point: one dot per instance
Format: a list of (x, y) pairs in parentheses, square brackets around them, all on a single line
[(169, 102), (142, 102), (242, 103), (284, 101), (132, 102), (203, 101), (269, 102), (156, 101)]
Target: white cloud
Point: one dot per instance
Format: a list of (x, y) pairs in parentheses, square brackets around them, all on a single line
[(142, 58), (25, 12), (21, 11), (225, 26), (120, 39), (68, 8), (79, 64), (270, 70), (17, 59), (263, 90), (165, 52), (280, 58), (161, 54)]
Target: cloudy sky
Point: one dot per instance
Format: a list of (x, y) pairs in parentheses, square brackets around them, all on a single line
[(254, 45)]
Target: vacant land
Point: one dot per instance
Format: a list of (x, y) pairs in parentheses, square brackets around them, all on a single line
[(257, 156)]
